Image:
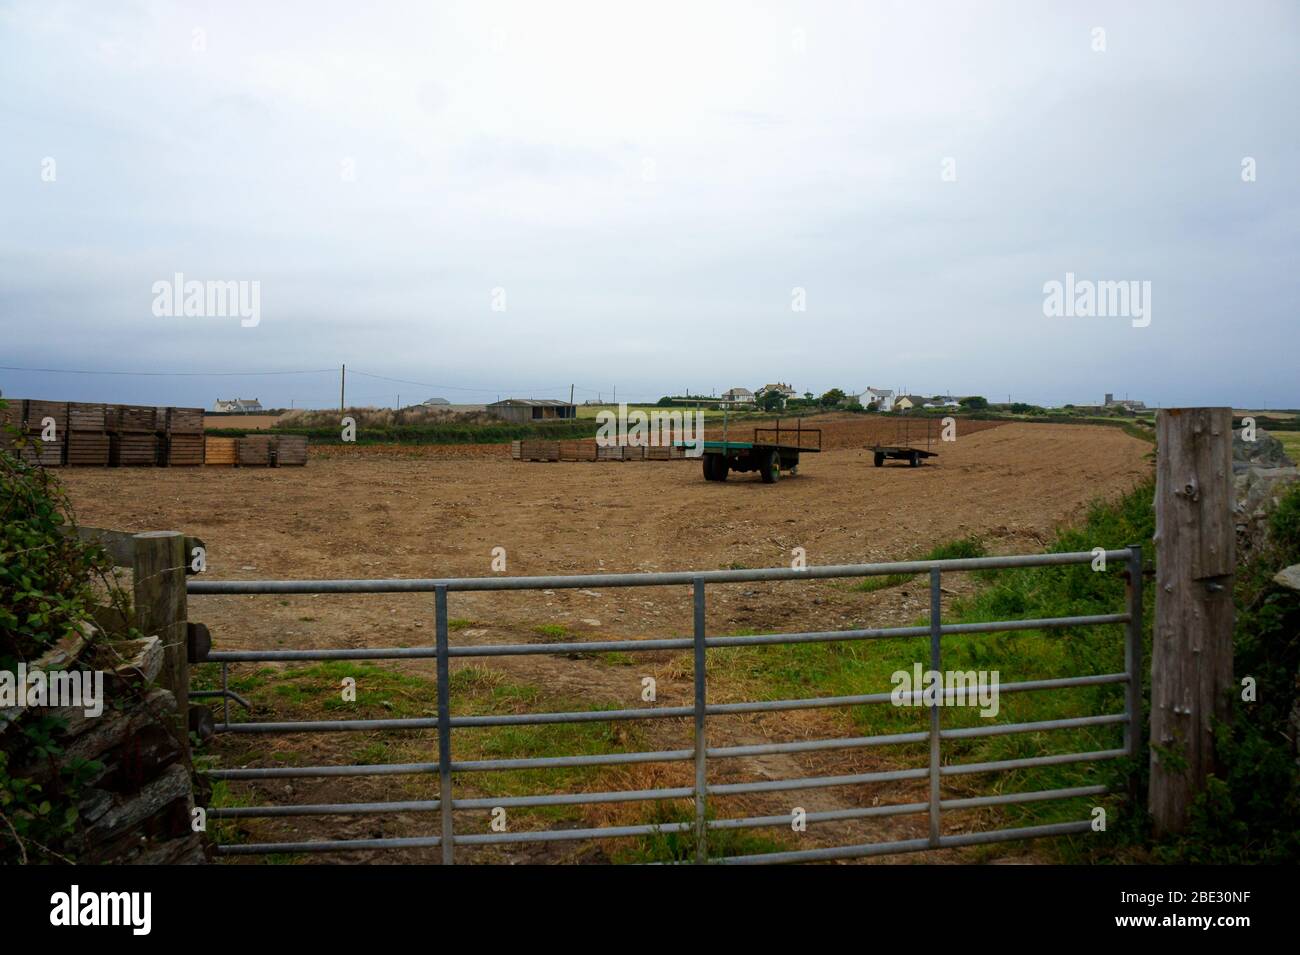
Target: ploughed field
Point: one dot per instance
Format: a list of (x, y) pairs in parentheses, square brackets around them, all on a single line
[(431, 512)]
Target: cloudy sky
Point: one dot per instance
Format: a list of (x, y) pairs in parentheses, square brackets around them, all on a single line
[(645, 187)]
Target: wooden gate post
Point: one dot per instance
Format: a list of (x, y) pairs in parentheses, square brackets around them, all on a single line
[(159, 571), (1191, 658)]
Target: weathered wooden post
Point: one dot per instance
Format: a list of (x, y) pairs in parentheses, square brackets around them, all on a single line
[(1191, 659), (159, 570)]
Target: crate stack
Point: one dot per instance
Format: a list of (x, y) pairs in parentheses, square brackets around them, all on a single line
[(132, 436), (220, 452), (290, 450), (88, 444), (254, 450), (30, 417), (184, 437), (577, 451), (533, 449)]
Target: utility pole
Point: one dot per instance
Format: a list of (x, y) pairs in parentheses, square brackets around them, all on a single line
[(570, 394), (343, 381)]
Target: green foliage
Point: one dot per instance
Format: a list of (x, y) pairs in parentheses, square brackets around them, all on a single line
[(45, 594), (974, 403)]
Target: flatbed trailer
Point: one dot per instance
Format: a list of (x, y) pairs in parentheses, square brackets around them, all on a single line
[(768, 456), (907, 443)]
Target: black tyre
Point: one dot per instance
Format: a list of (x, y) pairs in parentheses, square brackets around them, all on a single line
[(880, 459), (710, 466), (914, 460), (771, 468)]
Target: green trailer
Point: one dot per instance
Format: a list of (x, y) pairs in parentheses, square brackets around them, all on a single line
[(769, 456)]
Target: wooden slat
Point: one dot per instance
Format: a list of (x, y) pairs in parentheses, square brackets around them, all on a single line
[(88, 449), (83, 416), (133, 450), (184, 420)]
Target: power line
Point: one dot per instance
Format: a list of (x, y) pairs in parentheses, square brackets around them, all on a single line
[(169, 374)]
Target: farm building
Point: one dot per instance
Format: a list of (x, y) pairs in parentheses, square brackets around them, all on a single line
[(738, 396), (239, 406), (532, 409), (881, 398)]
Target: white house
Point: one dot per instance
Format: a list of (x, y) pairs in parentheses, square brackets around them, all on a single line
[(738, 396), (239, 406), (883, 398)]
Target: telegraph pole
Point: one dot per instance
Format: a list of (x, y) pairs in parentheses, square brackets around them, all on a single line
[(343, 380)]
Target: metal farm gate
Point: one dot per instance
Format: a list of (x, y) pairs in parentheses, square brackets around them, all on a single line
[(701, 753)]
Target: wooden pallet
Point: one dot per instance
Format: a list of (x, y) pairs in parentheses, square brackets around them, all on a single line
[(184, 450), (83, 416), (88, 449), (136, 418), (132, 450), (290, 450), (221, 452), (184, 421), (254, 450)]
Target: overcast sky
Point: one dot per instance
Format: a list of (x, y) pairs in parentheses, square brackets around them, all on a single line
[(649, 184)]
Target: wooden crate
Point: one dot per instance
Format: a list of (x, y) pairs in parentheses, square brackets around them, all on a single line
[(221, 452), (132, 450), (536, 450), (663, 453), (254, 450), (37, 411), (35, 451), (86, 417), (577, 451), (290, 450), (88, 449), (135, 418), (184, 421), (184, 450)]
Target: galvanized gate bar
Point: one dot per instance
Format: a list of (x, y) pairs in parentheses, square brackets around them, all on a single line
[(444, 728), (662, 579), (644, 646), (701, 712), (936, 635), (700, 642)]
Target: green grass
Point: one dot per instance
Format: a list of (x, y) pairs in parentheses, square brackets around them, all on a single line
[(1290, 443), (953, 550), (550, 631)]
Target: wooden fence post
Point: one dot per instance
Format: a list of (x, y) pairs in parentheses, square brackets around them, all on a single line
[(1191, 658), (159, 571)]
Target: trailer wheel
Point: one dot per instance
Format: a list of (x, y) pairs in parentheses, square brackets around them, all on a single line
[(771, 468), (914, 460), (880, 459)]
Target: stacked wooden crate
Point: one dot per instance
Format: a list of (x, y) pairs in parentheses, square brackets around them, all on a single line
[(184, 437), (221, 452), (534, 449), (577, 451), (254, 450), (29, 418), (132, 441), (290, 450)]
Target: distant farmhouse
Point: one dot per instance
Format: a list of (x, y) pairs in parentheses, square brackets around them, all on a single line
[(778, 388), (738, 396), (882, 399), (434, 402), (532, 409), (239, 406), (908, 402)]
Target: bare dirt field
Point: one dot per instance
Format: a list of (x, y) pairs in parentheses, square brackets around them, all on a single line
[(433, 512), (249, 422)]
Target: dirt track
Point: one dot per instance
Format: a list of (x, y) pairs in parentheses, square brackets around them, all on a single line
[(402, 515)]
